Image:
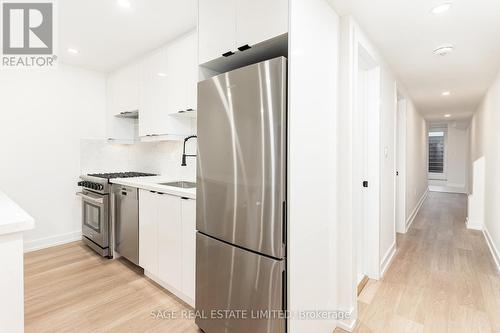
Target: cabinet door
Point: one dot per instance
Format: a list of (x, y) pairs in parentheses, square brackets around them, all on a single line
[(148, 231), (188, 212), (190, 65), (169, 240), (123, 89), (217, 28), (260, 20), (152, 93)]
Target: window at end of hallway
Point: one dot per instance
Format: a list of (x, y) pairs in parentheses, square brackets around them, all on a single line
[(436, 152)]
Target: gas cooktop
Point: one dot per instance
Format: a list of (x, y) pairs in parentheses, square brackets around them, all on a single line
[(112, 175)]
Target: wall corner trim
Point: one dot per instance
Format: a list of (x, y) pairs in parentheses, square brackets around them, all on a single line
[(493, 249), (43, 243), (414, 213)]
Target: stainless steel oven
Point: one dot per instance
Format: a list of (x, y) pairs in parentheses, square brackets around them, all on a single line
[(95, 225), (97, 210)]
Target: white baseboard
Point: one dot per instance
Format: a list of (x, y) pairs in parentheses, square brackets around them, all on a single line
[(493, 249), (414, 213), (170, 288), (43, 243), (348, 324), (387, 260)]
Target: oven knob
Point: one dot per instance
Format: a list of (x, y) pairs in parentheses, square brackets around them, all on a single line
[(101, 187), (93, 186), (80, 183)]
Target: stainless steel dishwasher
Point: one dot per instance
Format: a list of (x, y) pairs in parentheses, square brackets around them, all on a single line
[(126, 220)]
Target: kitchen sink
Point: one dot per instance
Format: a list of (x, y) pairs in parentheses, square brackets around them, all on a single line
[(181, 184)]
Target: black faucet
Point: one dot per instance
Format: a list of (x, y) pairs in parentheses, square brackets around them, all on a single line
[(183, 163)]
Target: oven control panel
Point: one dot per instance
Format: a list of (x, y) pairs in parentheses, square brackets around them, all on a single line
[(95, 186), (91, 185)]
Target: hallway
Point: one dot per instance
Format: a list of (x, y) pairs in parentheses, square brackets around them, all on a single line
[(443, 278)]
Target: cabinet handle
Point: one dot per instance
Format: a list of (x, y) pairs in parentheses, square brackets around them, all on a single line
[(184, 198), (244, 47), (228, 54)]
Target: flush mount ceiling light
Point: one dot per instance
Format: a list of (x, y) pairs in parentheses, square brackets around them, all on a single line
[(72, 51), (442, 8), (161, 74), (124, 3), (444, 50), (445, 93), (447, 115)]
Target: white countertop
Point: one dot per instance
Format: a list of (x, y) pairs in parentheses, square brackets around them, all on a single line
[(12, 217), (152, 184)]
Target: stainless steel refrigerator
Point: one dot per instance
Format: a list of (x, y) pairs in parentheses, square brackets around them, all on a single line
[(241, 200)]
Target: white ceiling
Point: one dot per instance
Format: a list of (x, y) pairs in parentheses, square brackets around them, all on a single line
[(406, 34), (108, 36)]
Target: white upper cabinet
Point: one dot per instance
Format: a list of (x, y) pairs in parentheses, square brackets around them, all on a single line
[(216, 28), (169, 78), (260, 20), (123, 89), (152, 101), (122, 99), (226, 25)]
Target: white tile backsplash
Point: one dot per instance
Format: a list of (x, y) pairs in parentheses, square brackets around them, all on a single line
[(162, 158)]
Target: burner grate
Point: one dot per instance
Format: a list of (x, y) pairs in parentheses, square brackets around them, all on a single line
[(112, 175)]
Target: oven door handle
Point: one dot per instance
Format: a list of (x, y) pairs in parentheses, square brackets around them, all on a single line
[(98, 201)]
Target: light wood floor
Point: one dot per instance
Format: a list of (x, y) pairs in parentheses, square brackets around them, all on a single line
[(70, 289), (443, 278)]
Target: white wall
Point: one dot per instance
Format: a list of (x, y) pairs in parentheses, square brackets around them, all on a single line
[(485, 141), (349, 184), (313, 75), (43, 116), (388, 113), (416, 159), (457, 156)]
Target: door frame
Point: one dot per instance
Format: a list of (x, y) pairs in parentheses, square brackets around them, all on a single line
[(400, 164)]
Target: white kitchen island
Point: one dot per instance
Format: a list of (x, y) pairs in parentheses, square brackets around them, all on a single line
[(13, 222)]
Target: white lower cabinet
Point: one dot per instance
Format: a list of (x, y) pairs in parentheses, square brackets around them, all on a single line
[(148, 231), (167, 235), (188, 213), (169, 240)]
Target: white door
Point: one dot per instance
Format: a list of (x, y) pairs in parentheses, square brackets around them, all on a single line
[(366, 167), (170, 240), (188, 212), (216, 28), (148, 231), (260, 20)]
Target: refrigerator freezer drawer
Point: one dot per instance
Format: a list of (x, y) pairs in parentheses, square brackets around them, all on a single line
[(249, 284)]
